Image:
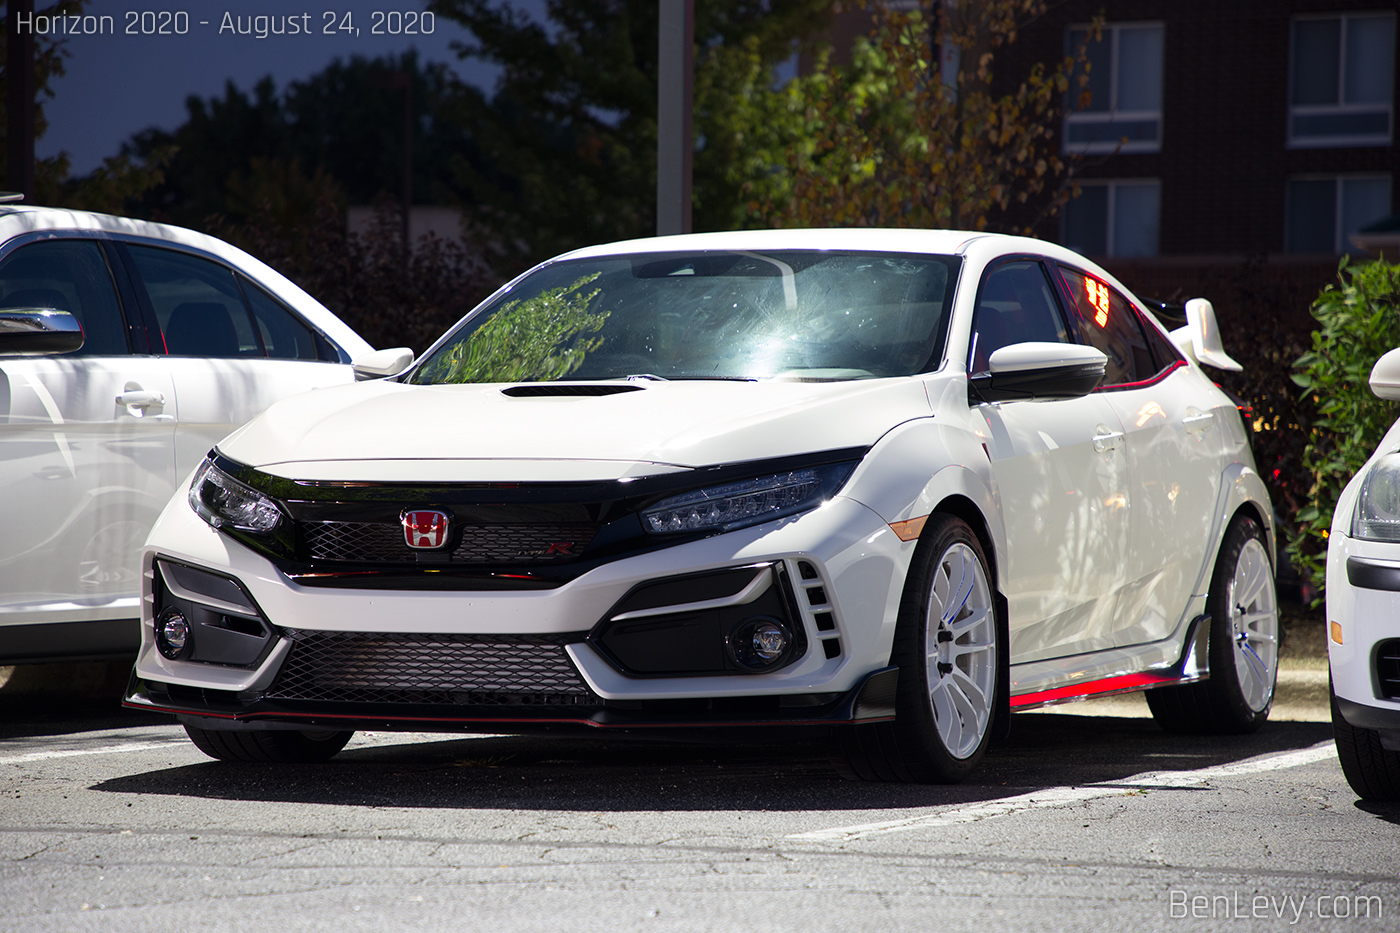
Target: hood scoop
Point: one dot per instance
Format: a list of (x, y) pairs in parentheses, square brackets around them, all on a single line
[(567, 390)]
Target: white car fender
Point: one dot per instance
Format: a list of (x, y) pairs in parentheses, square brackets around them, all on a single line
[(918, 465), (1240, 485)]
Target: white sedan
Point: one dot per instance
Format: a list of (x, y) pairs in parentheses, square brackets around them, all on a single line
[(891, 484), (127, 350), (1363, 605)]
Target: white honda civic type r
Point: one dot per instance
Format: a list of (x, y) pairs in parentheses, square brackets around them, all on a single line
[(891, 484)]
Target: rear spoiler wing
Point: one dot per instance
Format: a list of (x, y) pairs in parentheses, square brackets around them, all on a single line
[(1200, 338)]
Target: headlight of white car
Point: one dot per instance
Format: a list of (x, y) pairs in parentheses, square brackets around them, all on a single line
[(746, 502), (224, 502), (1377, 514)]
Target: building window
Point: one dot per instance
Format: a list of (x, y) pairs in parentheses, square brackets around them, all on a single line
[(1324, 212), (1125, 84), (1341, 76), (1114, 218)]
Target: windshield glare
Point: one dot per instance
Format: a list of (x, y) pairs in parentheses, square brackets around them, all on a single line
[(803, 315)]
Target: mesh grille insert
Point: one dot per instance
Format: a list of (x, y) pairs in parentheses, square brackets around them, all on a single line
[(373, 667), (479, 544)]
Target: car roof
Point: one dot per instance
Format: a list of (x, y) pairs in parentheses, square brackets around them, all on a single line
[(20, 219), (872, 239)]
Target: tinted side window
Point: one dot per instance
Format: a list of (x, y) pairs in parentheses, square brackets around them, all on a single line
[(284, 336), (198, 304), (1164, 352), (70, 275), (1016, 305), (1109, 323)]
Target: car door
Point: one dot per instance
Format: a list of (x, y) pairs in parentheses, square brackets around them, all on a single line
[(1061, 475), (233, 348), (86, 444), (1175, 441)]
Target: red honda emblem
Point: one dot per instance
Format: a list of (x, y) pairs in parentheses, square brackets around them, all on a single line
[(425, 529)]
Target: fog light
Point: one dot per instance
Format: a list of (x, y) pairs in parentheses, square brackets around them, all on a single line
[(760, 643), (172, 634)]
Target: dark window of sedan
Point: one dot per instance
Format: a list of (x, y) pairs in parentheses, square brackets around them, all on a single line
[(198, 304), (801, 315), (285, 337), (72, 276), (1108, 322), (1016, 304)]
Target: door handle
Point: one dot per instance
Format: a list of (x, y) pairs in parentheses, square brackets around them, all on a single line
[(141, 399), (1197, 421), (1106, 439)]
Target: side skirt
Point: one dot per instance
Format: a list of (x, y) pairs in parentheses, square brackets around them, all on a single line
[(1192, 665)]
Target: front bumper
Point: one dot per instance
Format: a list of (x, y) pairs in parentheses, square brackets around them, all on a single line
[(842, 564), (1363, 608)]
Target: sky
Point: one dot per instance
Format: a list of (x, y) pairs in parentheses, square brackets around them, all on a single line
[(118, 84)]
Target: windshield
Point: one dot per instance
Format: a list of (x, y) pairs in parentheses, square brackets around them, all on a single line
[(804, 315)]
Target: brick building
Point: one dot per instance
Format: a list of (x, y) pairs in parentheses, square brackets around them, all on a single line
[(1218, 130)]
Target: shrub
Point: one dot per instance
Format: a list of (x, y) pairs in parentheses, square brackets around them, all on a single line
[(1358, 320)]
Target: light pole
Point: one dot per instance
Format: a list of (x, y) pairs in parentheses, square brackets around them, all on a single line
[(674, 98)]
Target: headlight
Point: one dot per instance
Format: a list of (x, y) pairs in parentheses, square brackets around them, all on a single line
[(1377, 514), (747, 502), (224, 502)]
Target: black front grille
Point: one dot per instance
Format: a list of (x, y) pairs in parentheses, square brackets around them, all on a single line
[(1388, 668), (377, 542), (470, 670)]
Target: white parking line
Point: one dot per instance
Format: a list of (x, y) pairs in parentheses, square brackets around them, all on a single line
[(100, 750), (1062, 796)]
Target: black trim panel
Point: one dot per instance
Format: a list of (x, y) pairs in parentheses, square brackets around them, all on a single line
[(613, 505), (111, 640), (1367, 717), (1370, 575)]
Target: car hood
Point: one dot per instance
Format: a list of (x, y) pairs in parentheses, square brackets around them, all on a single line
[(384, 430)]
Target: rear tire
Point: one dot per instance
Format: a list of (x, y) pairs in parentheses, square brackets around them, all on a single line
[(1372, 770), (1243, 609), (269, 746), (947, 646)]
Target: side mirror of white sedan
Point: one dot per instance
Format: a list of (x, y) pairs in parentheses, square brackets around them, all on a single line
[(1200, 338), (1385, 376), (382, 363)]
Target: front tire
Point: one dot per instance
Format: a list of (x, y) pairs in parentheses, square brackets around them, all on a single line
[(269, 746), (1243, 609), (947, 646), (1372, 770)]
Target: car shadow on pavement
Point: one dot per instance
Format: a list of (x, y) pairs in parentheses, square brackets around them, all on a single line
[(572, 772)]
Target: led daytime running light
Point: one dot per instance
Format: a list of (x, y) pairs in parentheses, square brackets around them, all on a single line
[(747, 502)]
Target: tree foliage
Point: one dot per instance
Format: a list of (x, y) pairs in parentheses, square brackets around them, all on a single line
[(339, 132), (897, 140), (569, 135), (1358, 321)]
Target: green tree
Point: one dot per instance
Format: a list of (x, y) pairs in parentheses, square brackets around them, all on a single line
[(568, 139), (896, 139), (1358, 321)]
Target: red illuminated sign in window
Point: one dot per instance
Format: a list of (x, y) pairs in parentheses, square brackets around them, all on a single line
[(1098, 297)]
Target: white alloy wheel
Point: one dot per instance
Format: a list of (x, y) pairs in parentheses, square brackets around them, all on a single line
[(960, 647), (1253, 610)]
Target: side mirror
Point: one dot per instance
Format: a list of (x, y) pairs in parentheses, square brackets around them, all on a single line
[(382, 363), (38, 332), (1039, 371), (1200, 338), (1385, 376)]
